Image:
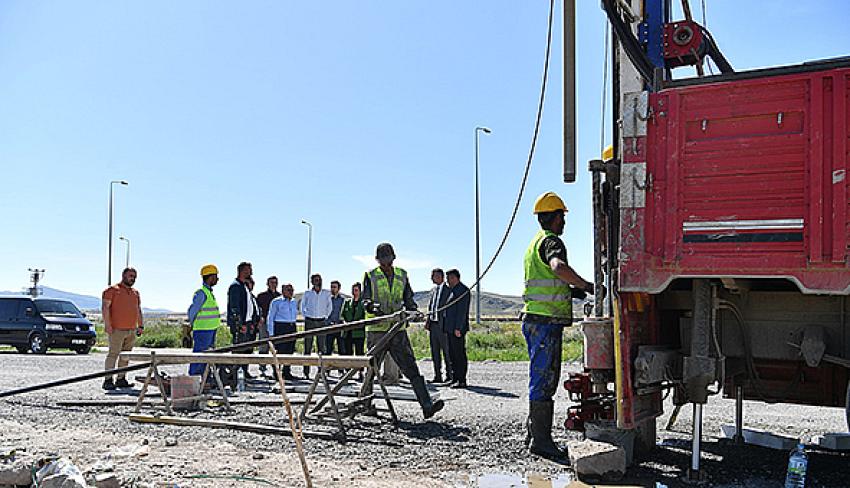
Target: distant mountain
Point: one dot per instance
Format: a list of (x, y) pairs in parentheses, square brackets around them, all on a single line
[(83, 302)]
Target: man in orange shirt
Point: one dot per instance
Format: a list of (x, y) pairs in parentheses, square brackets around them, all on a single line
[(122, 320)]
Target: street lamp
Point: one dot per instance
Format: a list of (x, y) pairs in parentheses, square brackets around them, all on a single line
[(127, 256), (478, 130), (309, 250), (109, 267)]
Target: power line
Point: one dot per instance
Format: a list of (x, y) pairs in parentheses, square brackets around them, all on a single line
[(527, 163)]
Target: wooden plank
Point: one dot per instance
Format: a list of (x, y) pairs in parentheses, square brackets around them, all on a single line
[(334, 362), (222, 424), (396, 393), (254, 402)]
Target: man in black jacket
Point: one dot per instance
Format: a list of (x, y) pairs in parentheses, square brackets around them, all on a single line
[(242, 311), (456, 325)]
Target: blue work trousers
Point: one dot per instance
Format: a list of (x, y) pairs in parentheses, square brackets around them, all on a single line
[(544, 351), (202, 340)]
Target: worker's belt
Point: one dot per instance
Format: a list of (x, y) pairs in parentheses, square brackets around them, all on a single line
[(314, 318), (544, 319)]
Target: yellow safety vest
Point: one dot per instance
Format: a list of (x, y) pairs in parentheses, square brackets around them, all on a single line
[(391, 299), (545, 293), (208, 317)]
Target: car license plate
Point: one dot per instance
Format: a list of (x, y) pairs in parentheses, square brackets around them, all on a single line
[(78, 341)]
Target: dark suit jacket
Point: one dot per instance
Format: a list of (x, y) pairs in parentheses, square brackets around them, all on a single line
[(237, 305), (457, 316), (444, 298)]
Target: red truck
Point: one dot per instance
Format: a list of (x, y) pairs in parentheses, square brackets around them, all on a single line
[(722, 232)]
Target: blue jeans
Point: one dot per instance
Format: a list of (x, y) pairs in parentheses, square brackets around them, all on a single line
[(202, 340), (544, 351)]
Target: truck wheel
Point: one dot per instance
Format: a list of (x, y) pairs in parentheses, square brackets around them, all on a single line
[(83, 350), (38, 343)]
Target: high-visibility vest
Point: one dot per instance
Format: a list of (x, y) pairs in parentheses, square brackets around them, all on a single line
[(545, 293), (391, 299), (208, 317)]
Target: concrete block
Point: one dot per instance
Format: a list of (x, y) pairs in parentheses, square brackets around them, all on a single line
[(837, 441), (107, 480), (762, 438), (594, 460)]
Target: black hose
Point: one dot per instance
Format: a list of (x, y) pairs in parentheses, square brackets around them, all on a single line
[(631, 45), (714, 53), (136, 367)]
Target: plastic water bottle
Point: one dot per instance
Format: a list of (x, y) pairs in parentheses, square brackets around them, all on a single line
[(240, 379), (797, 465)]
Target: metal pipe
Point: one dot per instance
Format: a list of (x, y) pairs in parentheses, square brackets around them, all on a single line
[(695, 443), (569, 91), (739, 415)]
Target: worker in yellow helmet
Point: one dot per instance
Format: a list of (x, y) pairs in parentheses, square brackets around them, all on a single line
[(204, 316), (549, 286)]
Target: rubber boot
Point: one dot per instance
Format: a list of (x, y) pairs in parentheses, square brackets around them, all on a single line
[(429, 408), (540, 415)]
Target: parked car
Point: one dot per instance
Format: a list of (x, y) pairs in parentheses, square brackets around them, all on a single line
[(38, 324)]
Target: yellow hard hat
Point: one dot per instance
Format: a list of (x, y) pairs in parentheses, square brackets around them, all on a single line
[(549, 202), (608, 153), (209, 269)]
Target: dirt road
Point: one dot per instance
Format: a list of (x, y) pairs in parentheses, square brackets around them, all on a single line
[(473, 442)]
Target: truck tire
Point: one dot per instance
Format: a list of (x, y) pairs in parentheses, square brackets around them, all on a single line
[(82, 349), (38, 343)]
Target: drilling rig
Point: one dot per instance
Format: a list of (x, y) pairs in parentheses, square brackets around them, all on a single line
[(721, 231)]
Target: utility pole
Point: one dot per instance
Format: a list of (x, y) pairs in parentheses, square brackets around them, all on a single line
[(35, 276), (478, 130), (309, 251), (109, 266)]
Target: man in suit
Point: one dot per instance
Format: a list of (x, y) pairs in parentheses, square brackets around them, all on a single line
[(434, 326), (242, 311), (456, 325)]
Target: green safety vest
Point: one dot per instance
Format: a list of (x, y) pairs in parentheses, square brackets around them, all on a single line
[(208, 317), (390, 299), (545, 294)]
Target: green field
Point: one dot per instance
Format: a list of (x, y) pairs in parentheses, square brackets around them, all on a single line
[(500, 341)]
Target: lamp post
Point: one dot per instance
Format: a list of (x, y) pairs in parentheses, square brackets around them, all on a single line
[(127, 255), (109, 266), (309, 250), (478, 130)]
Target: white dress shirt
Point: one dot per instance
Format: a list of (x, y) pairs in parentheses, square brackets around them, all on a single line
[(435, 301), (316, 305)]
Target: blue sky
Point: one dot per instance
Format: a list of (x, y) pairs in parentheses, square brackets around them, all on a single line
[(232, 121)]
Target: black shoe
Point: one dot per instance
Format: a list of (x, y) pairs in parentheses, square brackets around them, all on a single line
[(435, 407), (289, 377), (108, 385), (248, 376), (458, 385), (437, 379), (123, 383)]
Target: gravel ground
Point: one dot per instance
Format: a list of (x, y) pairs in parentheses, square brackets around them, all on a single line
[(476, 441)]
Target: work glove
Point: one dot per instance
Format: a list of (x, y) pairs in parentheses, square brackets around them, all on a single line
[(373, 308), (578, 293)]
